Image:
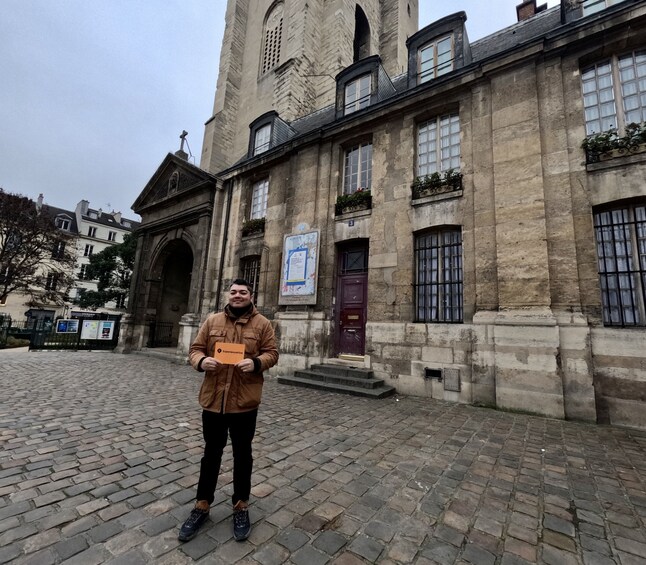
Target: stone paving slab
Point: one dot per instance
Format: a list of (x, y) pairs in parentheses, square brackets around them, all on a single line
[(99, 458)]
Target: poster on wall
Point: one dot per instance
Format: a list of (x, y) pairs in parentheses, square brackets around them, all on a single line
[(106, 329), (90, 329), (67, 326), (299, 273)]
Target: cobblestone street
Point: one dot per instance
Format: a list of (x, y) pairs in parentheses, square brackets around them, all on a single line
[(99, 458)]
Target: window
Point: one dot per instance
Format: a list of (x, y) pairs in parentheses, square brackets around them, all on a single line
[(250, 271), (357, 94), (621, 255), (83, 272), (120, 301), (112, 236), (438, 276), (262, 139), (59, 250), (435, 59), (357, 173), (91, 231), (63, 223), (89, 249), (259, 199), (52, 281), (594, 6), (3, 301), (614, 92), (438, 145), (272, 38)]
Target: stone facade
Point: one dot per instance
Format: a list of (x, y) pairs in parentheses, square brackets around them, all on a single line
[(531, 335)]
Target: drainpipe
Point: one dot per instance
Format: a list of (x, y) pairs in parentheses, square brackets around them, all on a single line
[(225, 237)]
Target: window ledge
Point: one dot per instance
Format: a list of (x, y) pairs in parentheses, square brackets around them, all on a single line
[(618, 158), (436, 197), (353, 214)]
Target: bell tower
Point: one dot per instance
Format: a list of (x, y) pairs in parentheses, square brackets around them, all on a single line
[(283, 55)]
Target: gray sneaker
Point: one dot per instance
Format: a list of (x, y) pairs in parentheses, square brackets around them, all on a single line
[(241, 524)]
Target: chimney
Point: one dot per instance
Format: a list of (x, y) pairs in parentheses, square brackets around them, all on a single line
[(82, 207), (528, 8), (116, 216), (39, 202)]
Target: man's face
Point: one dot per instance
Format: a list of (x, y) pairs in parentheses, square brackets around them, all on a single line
[(239, 296)]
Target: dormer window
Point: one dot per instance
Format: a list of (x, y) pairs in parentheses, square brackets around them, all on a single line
[(361, 85), (262, 139), (267, 132), (63, 223), (435, 59), (438, 49), (594, 6), (357, 94)]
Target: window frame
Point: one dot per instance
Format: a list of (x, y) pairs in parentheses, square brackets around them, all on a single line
[(260, 144), (63, 223), (434, 72), (112, 236), (51, 282), (258, 202), (358, 101), (89, 250), (91, 231), (602, 5), (425, 166), (348, 173), (614, 83), (449, 293)]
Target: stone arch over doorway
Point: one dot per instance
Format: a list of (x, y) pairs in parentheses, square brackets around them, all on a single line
[(170, 296)]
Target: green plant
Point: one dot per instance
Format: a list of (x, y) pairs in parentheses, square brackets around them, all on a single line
[(359, 199), (436, 183), (604, 142), (257, 225)]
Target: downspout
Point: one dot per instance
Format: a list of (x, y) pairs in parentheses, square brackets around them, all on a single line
[(225, 238)]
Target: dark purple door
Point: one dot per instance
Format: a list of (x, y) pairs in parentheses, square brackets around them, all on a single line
[(352, 292)]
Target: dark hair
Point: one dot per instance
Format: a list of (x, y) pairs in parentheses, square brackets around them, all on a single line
[(242, 282)]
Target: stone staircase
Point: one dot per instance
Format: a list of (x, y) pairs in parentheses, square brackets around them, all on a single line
[(339, 378)]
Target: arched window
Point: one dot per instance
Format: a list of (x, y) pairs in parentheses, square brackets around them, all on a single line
[(272, 38), (361, 35)]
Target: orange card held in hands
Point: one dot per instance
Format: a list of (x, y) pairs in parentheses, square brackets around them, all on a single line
[(228, 353)]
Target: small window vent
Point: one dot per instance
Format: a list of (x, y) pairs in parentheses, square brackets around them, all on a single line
[(452, 380)]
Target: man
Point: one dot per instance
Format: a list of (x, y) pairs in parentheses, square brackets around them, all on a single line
[(230, 395)]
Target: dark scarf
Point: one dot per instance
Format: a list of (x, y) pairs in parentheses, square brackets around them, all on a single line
[(239, 312)]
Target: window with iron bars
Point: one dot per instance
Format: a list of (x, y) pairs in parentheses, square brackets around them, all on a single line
[(439, 276), (621, 255), (250, 271)]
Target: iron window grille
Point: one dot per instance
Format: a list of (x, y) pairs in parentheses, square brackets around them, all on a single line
[(250, 271), (439, 276), (621, 254)]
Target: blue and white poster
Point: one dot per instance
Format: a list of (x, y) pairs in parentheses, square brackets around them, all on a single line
[(300, 268)]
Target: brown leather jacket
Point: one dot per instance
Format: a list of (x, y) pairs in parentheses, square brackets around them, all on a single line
[(227, 389)]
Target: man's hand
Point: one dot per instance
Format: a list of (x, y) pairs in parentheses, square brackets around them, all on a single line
[(210, 364), (246, 365)]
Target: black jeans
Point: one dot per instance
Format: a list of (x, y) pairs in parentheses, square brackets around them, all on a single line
[(216, 428)]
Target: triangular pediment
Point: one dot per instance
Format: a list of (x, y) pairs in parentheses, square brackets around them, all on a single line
[(174, 178)]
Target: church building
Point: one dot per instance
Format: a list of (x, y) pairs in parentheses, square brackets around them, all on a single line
[(466, 219)]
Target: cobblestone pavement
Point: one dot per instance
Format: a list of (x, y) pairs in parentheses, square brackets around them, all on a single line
[(99, 457)]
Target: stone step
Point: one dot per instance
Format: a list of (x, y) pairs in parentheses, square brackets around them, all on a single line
[(316, 375), (380, 392), (342, 370)]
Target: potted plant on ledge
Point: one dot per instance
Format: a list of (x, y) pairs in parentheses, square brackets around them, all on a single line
[(255, 226), (361, 199), (608, 144), (436, 183)]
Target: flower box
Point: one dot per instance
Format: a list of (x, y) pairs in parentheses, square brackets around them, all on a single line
[(253, 227), (359, 200)]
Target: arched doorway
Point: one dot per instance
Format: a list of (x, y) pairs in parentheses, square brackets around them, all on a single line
[(171, 301)]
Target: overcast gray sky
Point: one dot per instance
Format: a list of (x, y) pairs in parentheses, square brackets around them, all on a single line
[(95, 93)]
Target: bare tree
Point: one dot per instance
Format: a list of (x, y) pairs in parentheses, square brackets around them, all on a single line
[(37, 257)]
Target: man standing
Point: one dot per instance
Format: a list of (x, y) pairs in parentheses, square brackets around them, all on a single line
[(230, 395)]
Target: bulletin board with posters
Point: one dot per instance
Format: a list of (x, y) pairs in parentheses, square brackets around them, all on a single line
[(97, 329), (299, 273), (67, 326)]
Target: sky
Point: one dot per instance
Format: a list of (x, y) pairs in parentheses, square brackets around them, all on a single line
[(95, 93)]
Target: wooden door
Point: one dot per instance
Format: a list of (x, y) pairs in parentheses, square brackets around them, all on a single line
[(351, 300)]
